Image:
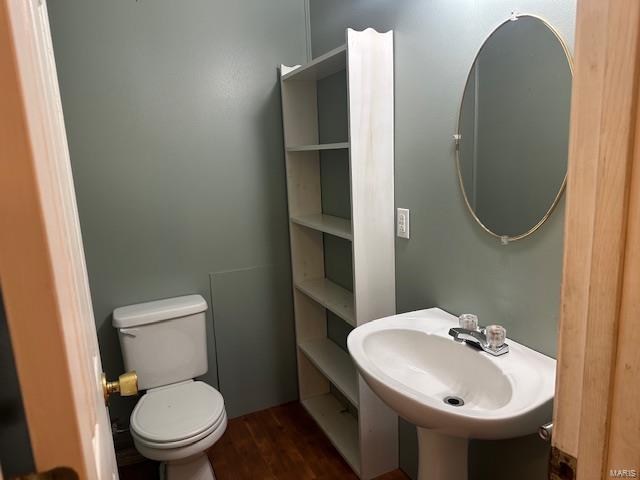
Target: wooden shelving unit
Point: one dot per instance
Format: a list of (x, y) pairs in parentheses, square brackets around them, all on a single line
[(325, 146), (367, 439)]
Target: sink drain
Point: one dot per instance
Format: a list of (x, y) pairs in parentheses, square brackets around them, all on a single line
[(453, 401)]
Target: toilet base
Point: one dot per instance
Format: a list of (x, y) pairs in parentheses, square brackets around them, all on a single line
[(197, 467)]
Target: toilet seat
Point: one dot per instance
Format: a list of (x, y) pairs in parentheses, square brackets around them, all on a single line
[(181, 443), (177, 415), (181, 454)]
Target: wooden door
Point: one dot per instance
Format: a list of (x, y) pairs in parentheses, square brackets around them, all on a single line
[(42, 268), (597, 420)]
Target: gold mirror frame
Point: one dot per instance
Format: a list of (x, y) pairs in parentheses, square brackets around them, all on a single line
[(506, 239)]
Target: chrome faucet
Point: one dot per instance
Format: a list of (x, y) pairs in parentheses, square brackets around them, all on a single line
[(490, 339)]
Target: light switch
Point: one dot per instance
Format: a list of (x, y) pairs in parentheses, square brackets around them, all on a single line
[(402, 225)]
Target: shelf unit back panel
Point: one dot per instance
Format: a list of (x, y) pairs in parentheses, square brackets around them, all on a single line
[(333, 108), (303, 183), (335, 181), (309, 326), (300, 113)]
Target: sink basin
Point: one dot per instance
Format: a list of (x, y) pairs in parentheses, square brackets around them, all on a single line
[(451, 390)]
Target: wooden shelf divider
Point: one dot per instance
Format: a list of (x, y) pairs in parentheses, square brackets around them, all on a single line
[(335, 364), (320, 67), (336, 226), (319, 147), (331, 296)]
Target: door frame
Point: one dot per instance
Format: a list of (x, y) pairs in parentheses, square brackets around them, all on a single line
[(42, 271), (596, 423), (42, 267)]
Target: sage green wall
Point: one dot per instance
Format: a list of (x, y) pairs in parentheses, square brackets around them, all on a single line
[(174, 124), (449, 261)]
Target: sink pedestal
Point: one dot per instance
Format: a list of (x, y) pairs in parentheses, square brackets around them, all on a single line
[(441, 457)]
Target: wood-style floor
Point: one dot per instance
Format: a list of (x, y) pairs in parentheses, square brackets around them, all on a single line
[(281, 443)]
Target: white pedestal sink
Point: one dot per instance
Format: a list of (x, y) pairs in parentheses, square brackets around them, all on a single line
[(450, 390)]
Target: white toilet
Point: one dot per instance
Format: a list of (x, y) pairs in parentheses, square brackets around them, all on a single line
[(178, 418)]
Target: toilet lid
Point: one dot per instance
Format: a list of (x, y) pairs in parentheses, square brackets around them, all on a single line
[(177, 412)]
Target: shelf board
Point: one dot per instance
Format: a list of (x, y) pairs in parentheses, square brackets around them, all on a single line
[(321, 146), (321, 67), (337, 226), (331, 296), (335, 364), (337, 424)]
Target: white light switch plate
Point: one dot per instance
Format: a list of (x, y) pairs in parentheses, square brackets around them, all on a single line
[(402, 223)]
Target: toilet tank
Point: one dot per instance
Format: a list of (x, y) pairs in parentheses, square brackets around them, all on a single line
[(164, 341)]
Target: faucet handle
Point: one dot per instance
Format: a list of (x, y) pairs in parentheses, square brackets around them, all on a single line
[(468, 321), (496, 336)]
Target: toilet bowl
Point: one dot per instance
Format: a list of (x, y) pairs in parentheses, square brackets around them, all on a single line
[(178, 418)]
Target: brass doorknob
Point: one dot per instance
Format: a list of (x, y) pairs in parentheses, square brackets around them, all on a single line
[(126, 385)]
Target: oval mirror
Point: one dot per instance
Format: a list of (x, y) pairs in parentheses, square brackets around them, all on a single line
[(513, 129)]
